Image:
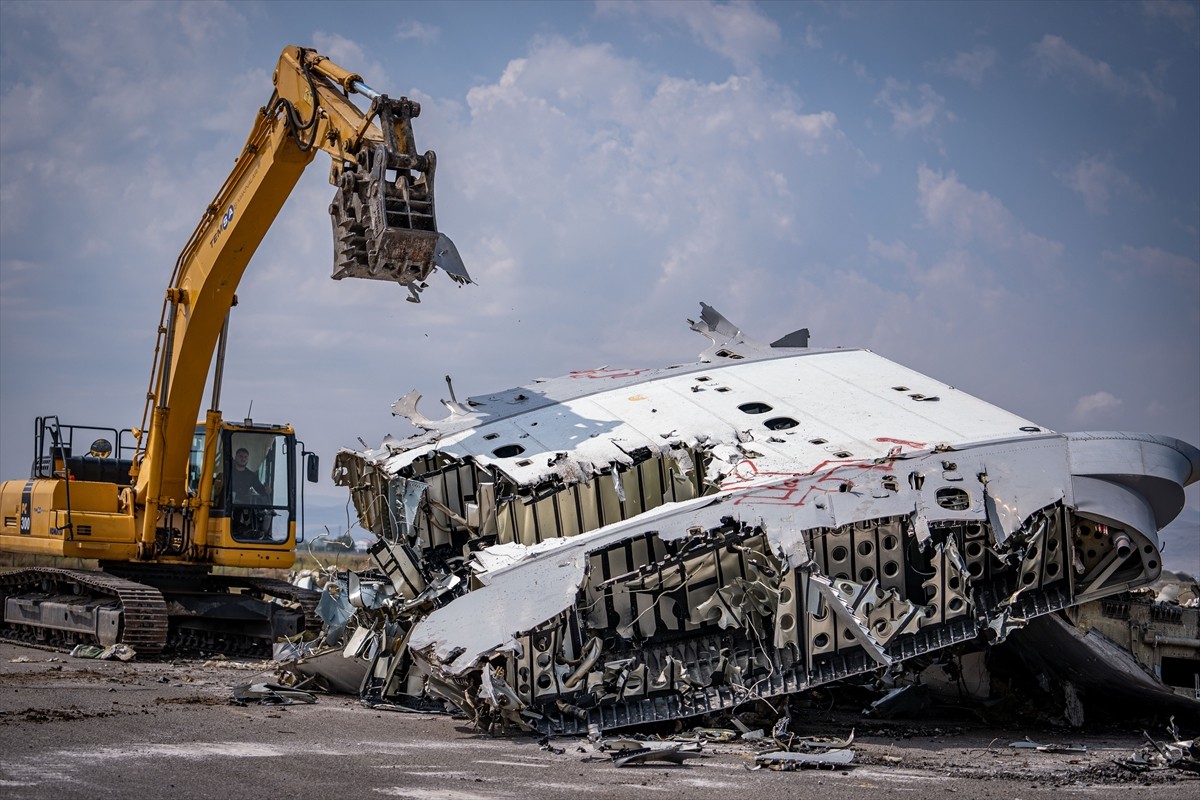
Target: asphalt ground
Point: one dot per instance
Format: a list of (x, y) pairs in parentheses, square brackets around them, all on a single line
[(77, 728)]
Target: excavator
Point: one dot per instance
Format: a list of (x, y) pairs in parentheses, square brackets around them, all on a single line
[(163, 505)]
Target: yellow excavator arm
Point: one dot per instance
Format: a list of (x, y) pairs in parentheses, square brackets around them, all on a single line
[(384, 228), (222, 494)]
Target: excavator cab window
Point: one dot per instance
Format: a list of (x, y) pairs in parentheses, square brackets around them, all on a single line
[(258, 470), (196, 462)]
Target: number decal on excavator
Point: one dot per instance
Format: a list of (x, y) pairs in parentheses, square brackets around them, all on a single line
[(26, 516)]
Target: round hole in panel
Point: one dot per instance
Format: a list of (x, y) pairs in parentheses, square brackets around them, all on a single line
[(543, 660), (1052, 568), (785, 595), (508, 451), (953, 582), (847, 634), (544, 681), (956, 604), (865, 574), (889, 542), (821, 640), (786, 622), (780, 423), (890, 568), (1152, 564), (1028, 578), (865, 548), (974, 549), (839, 553), (754, 408)]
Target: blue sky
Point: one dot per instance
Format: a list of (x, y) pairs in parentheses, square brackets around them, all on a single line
[(1005, 196)]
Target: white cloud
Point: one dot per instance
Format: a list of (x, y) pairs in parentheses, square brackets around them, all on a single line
[(812, 40), (897, 252), (969, 66), (920, 110), (736, 31), (1098, 180), (1054, 56), (412, 29), (1152, 263), (1096, 408), (1179, 12), (949, 205), (693, 174), (344, 51)]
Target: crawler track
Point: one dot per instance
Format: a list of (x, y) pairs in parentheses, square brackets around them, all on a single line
[(60, 608), (141, 610)]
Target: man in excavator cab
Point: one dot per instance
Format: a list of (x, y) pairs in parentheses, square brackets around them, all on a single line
[(251, 499), (247, 488)]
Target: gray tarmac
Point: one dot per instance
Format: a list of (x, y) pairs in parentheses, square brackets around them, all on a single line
[(76, 728)]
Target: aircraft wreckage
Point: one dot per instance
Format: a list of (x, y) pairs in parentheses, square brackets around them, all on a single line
[(617, 547)]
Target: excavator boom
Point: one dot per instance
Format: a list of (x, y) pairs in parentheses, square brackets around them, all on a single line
[(161, 512)]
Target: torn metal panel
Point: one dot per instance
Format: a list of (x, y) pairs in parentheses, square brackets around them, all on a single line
[(1127, 648), (691, 609), (649, 545)]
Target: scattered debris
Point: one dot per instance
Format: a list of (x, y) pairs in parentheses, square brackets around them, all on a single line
[(1029, 744), (120, 652), (901, 701), (270, 694), (834, 759), (1160, 755), (634, 752)]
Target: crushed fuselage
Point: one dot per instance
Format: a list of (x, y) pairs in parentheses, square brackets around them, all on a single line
[(647, 545)]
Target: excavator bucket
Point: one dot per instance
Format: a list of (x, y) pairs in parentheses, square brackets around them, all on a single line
[(384, 227)]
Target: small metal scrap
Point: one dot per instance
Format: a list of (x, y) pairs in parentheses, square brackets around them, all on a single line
[(671, 752), (719, 735), (780, 760), (807, 743), (1156, 755), (271, 694), (544, 744), (1029, 744), (120, 652)]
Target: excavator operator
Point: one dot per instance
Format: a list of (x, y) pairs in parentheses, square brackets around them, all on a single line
[(247, 488)]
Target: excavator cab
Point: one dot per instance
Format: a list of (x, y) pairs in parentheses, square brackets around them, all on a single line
[(254, 492)]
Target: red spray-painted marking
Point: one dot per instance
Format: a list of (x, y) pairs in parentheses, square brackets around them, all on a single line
[(602, 372)]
